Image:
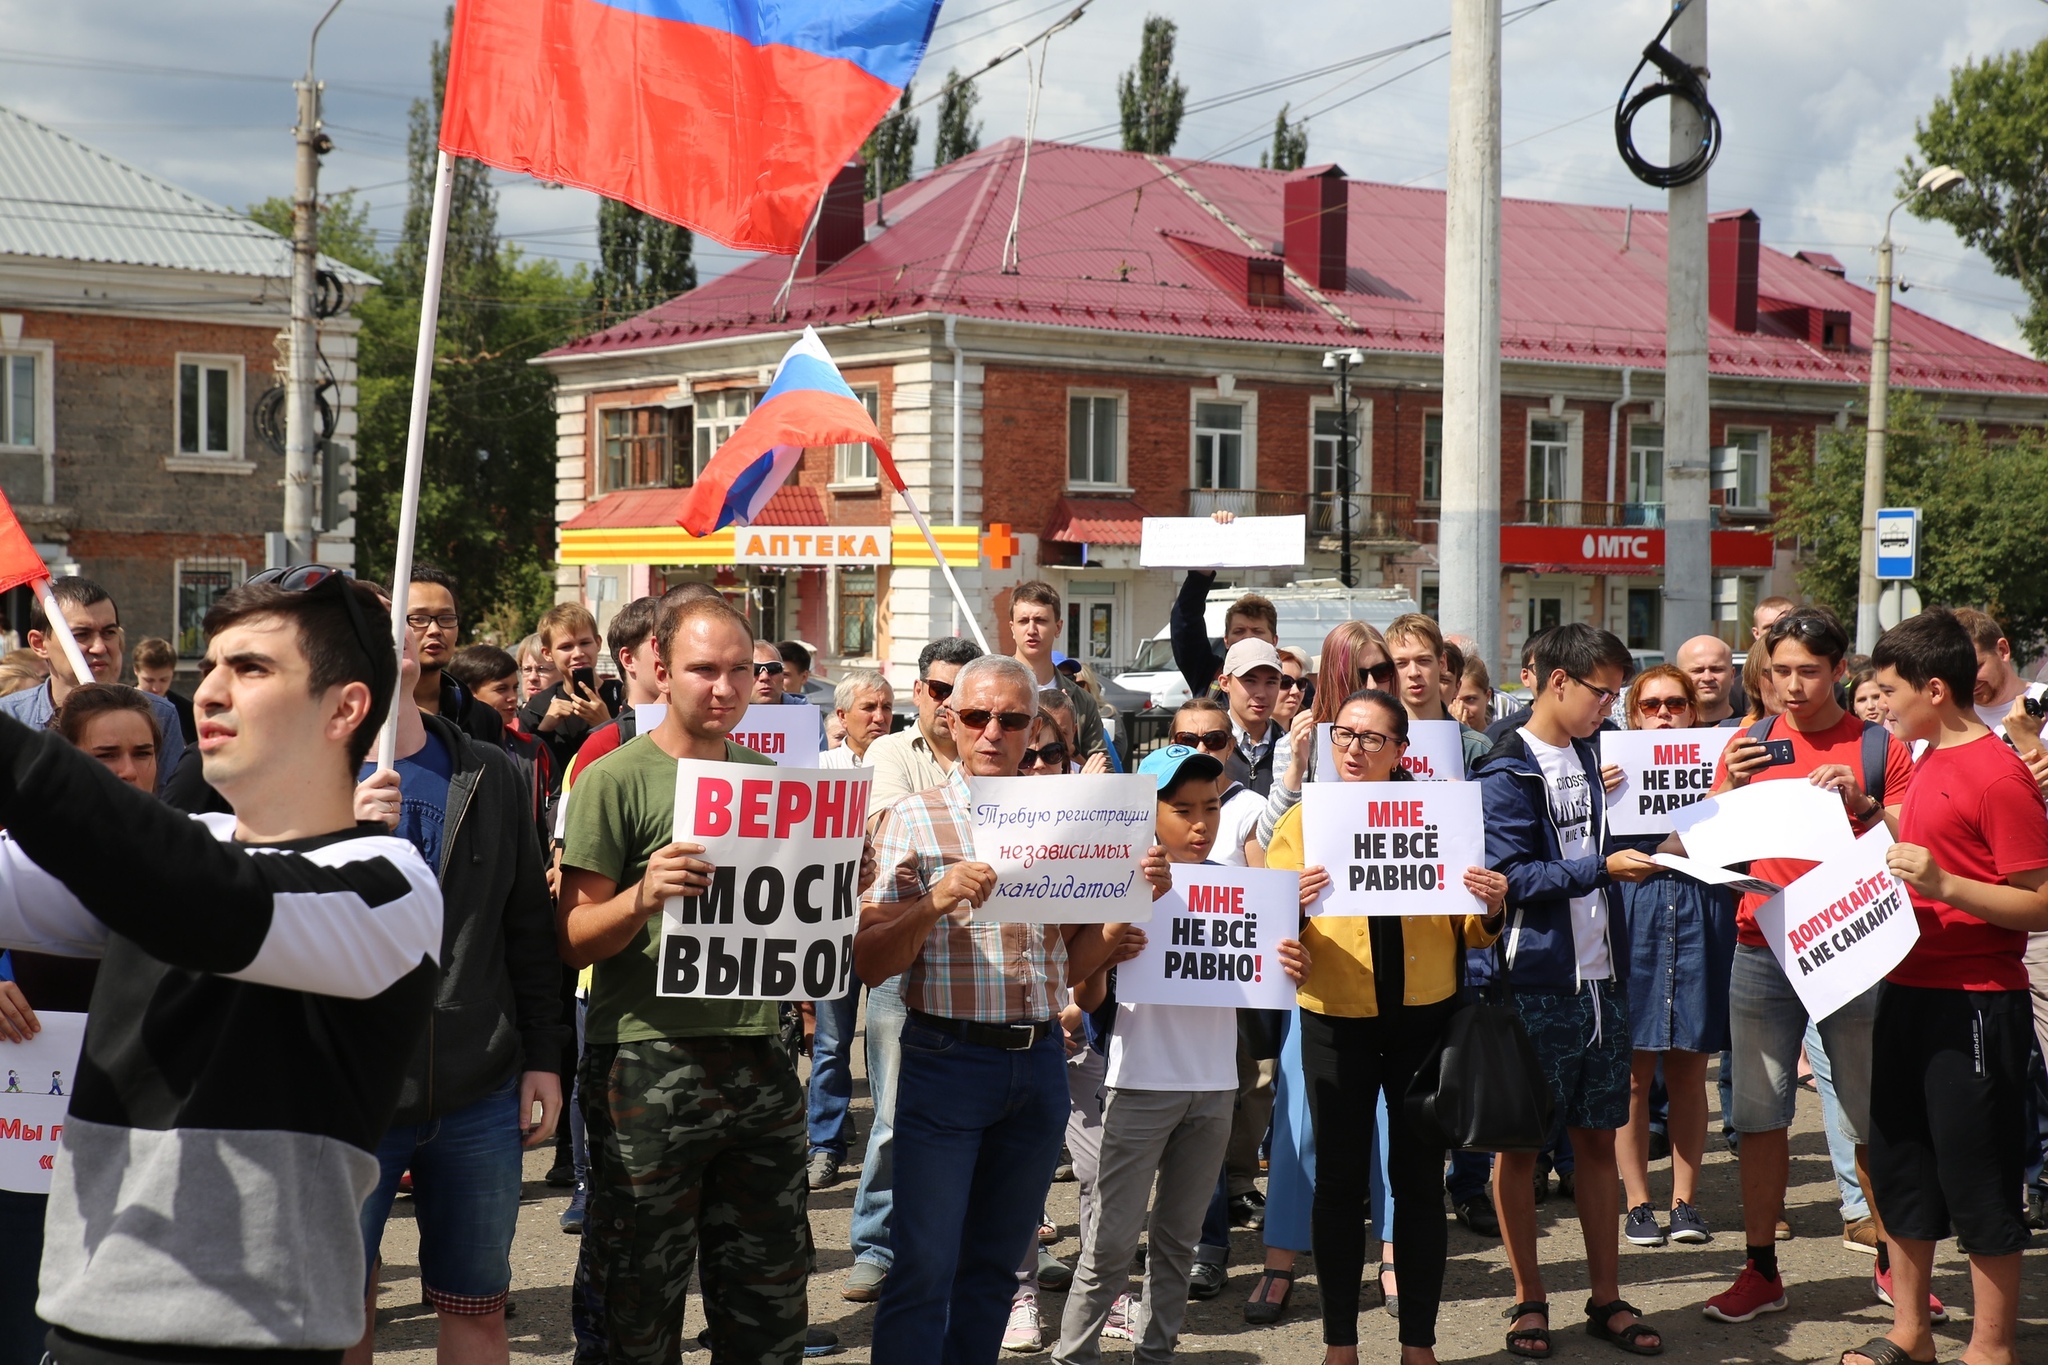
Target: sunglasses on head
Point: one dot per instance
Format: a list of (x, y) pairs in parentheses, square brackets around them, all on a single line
[(323, 578), (936, 690), (1053, 755), (1011, 721), (767, 670), (1215, 741)]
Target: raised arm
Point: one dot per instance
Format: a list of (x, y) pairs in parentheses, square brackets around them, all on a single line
[(1188, 629)]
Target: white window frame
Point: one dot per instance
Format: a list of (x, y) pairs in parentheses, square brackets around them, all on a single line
[(237, 400), (44, 402), (721, 427), (1762, 456), (1361, 414), (1422, 492), (236, 570), (854, 464), (1248, 401), (1631, 482), (1574, 463), (1120, 485)]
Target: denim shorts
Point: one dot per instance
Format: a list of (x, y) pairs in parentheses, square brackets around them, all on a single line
[(1582, 1042), (1767, 1027), (465, 1191)]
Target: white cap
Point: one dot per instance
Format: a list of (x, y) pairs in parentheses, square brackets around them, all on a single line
[(1248, 654)]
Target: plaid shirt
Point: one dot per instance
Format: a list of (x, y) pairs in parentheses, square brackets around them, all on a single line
[(992, 973)]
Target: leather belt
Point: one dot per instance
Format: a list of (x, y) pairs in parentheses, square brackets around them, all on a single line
[(1019, 1037)]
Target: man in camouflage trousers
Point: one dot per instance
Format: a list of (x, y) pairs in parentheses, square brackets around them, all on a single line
[(694, 1115)]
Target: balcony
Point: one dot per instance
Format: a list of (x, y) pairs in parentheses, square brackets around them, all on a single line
[(1246, 502), (1554, 512), (1377, 519)]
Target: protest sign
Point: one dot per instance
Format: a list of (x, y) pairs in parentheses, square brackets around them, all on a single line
[(1837, 930), (1788, 818), (1200, 543), (1065, 849), (1716, 876), (1394, 848), (648, 716), (777, 921), (34, 1099), (1436, 751), (791, 735), (1211, 940), (1663, 771)]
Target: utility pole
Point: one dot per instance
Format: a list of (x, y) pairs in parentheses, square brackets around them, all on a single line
[(302, 418), (1688, 536), (1347, 456), (1468, 548)]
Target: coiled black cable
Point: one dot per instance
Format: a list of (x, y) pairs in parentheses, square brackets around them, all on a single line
[(1680, 82)]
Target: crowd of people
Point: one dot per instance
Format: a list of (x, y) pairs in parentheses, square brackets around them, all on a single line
[(437, 966)]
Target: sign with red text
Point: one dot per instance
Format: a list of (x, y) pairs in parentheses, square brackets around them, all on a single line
[(1065, 849), (860, 545), (1662, 772), (791, 735), (35, 1097), (777, 921), (1211, 940), (1621, 549), (1394, 848), (1837, 930)]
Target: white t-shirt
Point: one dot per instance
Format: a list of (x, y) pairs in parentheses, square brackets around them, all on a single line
[(1570, 788), (1173, 1047), (1994, 716), (1239, 820)]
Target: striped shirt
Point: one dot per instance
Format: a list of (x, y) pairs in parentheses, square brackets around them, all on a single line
[(992, 973)]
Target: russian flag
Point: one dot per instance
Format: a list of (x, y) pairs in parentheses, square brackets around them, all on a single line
[(727, 116), (807, 405)]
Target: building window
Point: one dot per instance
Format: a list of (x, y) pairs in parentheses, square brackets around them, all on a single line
[(1549, 459), (1094, 454), (856, 613), (1545, 613), (18, 400), (719, 415), (1327, 450), (1645, 618), (1432, 457), (1645, 505), (1735, 599), (1429, 594), (209, 405), (1090, 632), (636, 445), (1219, 445), (1752, 468), (854, 462), (200, 581)]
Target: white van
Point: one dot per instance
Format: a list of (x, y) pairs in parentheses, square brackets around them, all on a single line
[(1308, 611)]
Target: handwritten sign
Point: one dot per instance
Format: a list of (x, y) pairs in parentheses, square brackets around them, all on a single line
[(791, 735), (1663, 771), (1394, 848), (1786, 818), (1065, 849), (1200, 543), (35, 1098), (1211, 940), (1837, 930), (777, 921)]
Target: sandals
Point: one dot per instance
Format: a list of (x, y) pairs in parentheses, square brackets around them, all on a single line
[(1882, 1351), (1259, 1311), (1390, 1302), (1630, 1337), (1539, 1335)]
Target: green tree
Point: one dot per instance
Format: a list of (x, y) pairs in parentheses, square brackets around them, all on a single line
[(1290, 145), (343, 230), (1993, 127), (642, 261), (890, 148), (958, 133), (1149, 96), (1982, 503)]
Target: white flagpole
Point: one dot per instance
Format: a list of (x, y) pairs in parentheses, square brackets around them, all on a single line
[(60, 630), (966, 609), (416, 438)]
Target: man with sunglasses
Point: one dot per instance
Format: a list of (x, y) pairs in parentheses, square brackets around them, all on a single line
[(1250, 681), (918, 757), (95, 623), (768, 671)]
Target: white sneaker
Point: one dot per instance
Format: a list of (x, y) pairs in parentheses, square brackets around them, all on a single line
[(1026, 1333)]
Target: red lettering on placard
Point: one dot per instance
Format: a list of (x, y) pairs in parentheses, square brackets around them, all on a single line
[(714, 807)]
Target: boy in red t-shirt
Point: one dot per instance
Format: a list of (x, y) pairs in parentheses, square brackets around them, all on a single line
[(1948, 1114)]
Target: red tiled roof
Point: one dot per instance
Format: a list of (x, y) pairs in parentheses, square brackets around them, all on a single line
[(1103, 246), (1096, 521), (792, 505)]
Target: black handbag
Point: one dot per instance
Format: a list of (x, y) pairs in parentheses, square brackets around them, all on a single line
[(1483, 1089)]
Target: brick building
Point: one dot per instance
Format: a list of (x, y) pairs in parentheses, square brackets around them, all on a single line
[(141, 328), (1151, 341)]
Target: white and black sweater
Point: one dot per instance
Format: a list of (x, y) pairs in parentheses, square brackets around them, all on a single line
[(249, 1031)]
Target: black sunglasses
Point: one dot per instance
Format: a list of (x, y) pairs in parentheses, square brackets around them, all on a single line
[(1288, 682), (324, 578), (1053, 754), (1011, 721), (1379, 675), (1215, 741), (767, 670), (936, 690)]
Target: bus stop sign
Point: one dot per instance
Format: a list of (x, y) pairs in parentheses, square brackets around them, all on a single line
[(1898, 542)]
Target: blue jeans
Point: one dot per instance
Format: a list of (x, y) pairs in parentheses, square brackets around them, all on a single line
[(830, 1091), (1291, 1162), (871, 1202), (981, 1127), (465, 1190), (1841, 1150)]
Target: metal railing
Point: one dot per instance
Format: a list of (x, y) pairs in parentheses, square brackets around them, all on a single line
[(1382, 518), (1246, 502), (1562, 512)]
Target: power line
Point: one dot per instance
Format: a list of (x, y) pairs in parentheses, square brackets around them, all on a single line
[(64, 61)]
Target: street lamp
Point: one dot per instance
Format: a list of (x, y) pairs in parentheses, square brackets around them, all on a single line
[(1937, 180), (1342, 361)]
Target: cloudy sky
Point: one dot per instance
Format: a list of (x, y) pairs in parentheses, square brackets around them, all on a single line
[(1818, 99)]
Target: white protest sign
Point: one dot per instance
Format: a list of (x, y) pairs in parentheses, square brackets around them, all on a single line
[(1326, 756), (34, 1099), (791, 735), (1200, 543), (1436, 751), (1837, 930), (648, 716), (1065, 849), (1787, 818), (1211, 940), (1715, 876), (1394, 848), (777, 921), (1663, 771)]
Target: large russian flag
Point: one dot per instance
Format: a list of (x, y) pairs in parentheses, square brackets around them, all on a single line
[(727, 116), (807, 405)]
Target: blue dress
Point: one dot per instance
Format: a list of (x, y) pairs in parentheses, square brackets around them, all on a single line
[(1681, 938)]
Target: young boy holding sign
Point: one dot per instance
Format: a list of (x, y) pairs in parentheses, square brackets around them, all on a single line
[(1951, 1039)]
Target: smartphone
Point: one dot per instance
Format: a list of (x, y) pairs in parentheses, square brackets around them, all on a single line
[(1780, 751), (611, 692), (585, 680)]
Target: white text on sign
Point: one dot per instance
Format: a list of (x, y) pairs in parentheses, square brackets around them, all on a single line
[(810, 545)]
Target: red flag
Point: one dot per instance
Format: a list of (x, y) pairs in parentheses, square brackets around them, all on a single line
[(19, 562)]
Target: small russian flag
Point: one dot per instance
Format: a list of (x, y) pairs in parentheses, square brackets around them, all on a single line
[(807, 405)]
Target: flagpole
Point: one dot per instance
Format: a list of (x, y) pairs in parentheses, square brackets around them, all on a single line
[(966, 609), (81, 671), (416, 439)]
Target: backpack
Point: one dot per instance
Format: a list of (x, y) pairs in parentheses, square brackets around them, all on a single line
[(1876, 749)]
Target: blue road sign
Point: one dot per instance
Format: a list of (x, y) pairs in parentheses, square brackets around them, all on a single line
[(1898, 542)]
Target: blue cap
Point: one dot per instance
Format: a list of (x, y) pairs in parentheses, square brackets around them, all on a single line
[(1170, 764), (1064, 664)]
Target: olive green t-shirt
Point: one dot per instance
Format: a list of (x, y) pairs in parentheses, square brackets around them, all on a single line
[(621, 813)]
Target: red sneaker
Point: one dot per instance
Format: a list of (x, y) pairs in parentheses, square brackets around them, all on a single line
[(1881, 1284), (1750, 1295)]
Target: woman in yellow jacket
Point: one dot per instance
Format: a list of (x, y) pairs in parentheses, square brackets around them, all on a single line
[(1373, 1008)]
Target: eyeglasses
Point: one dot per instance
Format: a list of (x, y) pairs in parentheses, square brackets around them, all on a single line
[(760, 670), (1606, 694), (1215, 741), (1053, 755), (323, 578), (1379, 675), (1653, 705), (420, 620), (936, 690), (1371, 741), (1011, 721)]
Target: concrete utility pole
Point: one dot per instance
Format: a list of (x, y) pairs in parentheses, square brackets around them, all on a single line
[(302, 416), (1688, 537), (1468, 540)]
